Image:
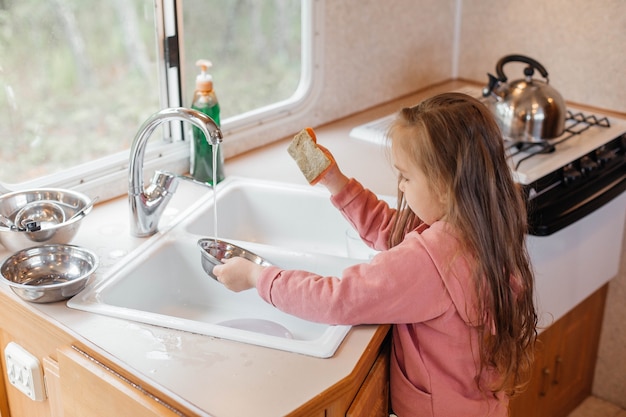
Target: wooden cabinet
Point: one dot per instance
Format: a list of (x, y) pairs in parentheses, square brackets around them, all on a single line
[(90, 388), (78, 381), (79, 385), (373, 397), (29, 331), (4, 402), (564, 363), (365, 392)]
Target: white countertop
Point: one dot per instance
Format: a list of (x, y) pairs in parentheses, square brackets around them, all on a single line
[(210, 374)]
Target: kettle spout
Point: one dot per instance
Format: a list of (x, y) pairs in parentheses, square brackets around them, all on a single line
[(490, 90)]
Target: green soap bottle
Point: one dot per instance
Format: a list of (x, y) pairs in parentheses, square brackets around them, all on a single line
[(205, 101)]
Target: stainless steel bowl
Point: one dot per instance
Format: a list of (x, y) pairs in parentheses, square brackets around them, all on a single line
[(214, 251), (49, 273), (45, 213), (69, 201)]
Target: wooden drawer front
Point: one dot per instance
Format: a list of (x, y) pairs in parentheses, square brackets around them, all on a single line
[(88, 389), (373, 397)]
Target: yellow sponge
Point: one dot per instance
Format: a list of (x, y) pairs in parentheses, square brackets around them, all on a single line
[(313, 160)]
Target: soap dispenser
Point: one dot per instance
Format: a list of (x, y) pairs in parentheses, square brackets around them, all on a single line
[(205, 101)]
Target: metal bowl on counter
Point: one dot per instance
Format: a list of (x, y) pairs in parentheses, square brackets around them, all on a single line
[(214, 251), (37, 216), (49, 273)]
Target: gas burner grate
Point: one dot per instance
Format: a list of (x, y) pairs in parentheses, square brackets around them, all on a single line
[(575, 124)]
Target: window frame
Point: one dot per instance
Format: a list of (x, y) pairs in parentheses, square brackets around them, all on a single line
[(107, 177)]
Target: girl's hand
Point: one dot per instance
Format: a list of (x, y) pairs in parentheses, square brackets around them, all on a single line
[(238, 274), (334, 180)]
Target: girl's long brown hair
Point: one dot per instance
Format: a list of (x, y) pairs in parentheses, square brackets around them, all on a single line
[(455, 139)]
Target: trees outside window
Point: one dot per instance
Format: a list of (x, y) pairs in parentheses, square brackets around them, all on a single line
[(78, 77)]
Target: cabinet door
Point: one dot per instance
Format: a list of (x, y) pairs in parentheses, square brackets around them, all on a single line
[(575, 359), (533, 399), (4, 401), (53, 386), (373, 397), (564, 362), (89, 389), (17, 403)]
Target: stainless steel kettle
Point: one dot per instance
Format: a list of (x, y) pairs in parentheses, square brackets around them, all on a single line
[(527, 110)]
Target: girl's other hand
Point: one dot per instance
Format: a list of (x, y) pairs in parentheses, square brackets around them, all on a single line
[(238, 274), (334, 180)]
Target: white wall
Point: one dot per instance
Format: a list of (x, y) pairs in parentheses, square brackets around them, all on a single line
[(375, 51), (582, 44)]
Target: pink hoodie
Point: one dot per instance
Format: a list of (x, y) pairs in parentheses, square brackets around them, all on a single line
[(423, 286)]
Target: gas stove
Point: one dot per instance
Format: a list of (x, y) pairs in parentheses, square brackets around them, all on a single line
[(565, 178), (590, 139), (568, 177)]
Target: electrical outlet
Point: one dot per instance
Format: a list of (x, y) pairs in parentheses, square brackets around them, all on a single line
[(24, 371)]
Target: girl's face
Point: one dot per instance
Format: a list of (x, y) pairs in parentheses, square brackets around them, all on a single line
[(418, 191)]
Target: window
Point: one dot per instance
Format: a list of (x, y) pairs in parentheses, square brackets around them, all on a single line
[(262, 46), (78, 77)]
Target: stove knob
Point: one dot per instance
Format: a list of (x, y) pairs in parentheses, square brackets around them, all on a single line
[(604, 156), (571, 175), (588, 165)]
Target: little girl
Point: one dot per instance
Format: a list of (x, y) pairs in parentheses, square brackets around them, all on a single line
[(453, 276)]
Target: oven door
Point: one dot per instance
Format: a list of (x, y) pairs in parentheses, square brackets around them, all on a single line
[(572, 192), (545, 218)]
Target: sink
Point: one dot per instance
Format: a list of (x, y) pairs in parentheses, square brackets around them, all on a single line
[(297, 217), (162, 282)]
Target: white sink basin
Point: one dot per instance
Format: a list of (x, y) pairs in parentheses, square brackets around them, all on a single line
[(290, 216), (163, 283)]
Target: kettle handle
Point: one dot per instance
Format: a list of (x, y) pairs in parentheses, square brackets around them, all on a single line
[(519, 58)]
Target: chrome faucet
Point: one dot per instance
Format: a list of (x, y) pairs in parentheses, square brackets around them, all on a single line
[(147, 204)]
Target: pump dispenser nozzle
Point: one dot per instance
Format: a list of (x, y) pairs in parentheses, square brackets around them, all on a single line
[(204, 81)]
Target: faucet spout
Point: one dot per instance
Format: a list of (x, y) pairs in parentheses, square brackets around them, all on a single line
[(147, 205)]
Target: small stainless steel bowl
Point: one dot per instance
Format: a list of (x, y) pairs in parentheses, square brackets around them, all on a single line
[(49, 273), (214, 251), (69, 201), (46, 213)]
